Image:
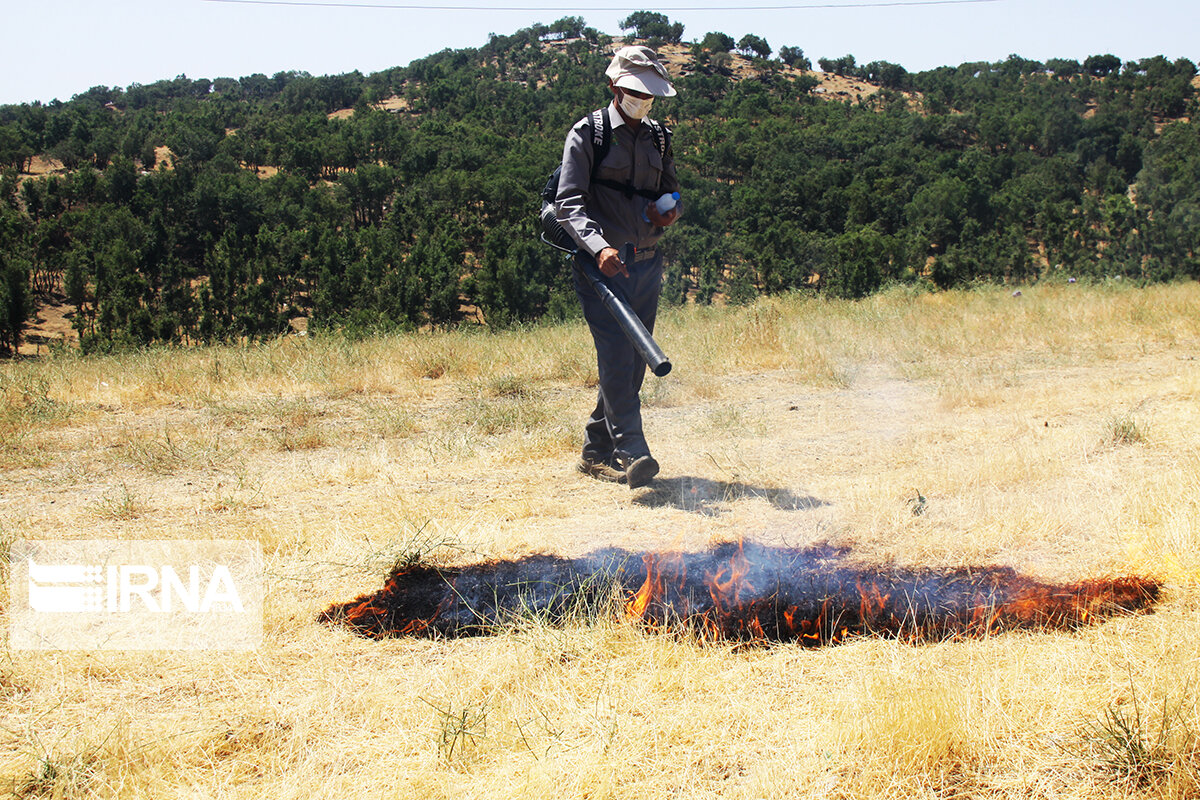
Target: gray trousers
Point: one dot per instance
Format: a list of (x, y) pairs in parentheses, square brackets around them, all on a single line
[(615, 426)]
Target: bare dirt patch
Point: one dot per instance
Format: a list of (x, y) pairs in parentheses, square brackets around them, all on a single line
[(51, 326), (842, 88), (395, 103), (164, 156), (44, 165)]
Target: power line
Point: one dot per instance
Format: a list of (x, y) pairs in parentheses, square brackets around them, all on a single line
[(427, 7)]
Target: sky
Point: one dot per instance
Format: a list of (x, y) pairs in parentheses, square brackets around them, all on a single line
[(55, 49)]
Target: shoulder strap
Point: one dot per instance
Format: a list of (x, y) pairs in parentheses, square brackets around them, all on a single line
[(601, 127), (662, 137)]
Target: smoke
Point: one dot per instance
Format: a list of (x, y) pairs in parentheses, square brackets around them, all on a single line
[(735, 591)]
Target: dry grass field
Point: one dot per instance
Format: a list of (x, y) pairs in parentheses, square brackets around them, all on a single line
[(1054, 432)]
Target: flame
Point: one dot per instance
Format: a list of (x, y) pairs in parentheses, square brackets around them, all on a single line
[(873, 600), (652, 587), (726, 586), (738, 591)]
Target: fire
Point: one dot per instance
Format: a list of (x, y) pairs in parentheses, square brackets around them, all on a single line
[(652, 586), (728, 584), (736, 591)]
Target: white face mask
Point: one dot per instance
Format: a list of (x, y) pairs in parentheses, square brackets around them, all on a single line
[(635, 107)]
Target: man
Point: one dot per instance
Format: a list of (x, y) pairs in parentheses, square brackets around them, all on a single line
[(602, 215)]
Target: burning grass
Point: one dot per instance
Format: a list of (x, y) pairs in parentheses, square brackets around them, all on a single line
[(738, 592)]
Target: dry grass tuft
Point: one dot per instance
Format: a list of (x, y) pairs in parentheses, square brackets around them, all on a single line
[(1122, 430), (1153, 748), (119, 505)]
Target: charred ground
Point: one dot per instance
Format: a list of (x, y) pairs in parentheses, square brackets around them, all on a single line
[(736, 591)]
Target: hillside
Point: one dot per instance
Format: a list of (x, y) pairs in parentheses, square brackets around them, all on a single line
[(200, 210)]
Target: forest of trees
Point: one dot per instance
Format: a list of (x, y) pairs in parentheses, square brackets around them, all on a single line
[(269, 206)]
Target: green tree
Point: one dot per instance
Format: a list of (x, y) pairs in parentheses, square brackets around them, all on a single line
[(518, 277), (717, 42), (569, 27), (754, 45), (436, 264), (15, 306), (722, 61), (1064, 67), (1101, 66), (861, 260), (886, 74), (651, 25), (794, 57), (15, 152), (1169, 198), (845, 66), (938, 212), (14, 302)]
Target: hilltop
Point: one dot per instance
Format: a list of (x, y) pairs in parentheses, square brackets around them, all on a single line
[(682, 61)]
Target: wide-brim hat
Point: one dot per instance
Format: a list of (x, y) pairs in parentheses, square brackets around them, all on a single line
[(637, 67)]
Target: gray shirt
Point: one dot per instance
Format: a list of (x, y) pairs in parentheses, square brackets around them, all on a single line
[(597, 217)]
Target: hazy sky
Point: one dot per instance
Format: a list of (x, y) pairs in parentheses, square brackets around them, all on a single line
[(59, 48)]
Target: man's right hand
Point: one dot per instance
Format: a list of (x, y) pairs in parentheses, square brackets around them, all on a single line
[(610, 263)]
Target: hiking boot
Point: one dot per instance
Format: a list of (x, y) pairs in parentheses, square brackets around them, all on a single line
[(601, 470), (640, 471)]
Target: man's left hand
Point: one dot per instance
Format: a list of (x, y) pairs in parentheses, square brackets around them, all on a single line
[(661, 220)]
